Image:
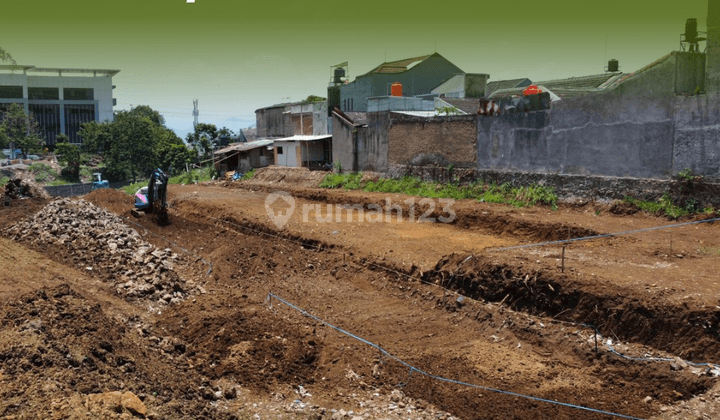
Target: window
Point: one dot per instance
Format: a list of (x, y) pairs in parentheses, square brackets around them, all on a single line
[(75, 117), (48, 116), (280, 150), (11, 92), (43, 93), (78, 94)]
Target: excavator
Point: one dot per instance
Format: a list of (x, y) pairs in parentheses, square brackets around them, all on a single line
[(153, 198)]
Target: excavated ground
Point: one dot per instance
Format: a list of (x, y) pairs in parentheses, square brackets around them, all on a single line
[(438, 296)]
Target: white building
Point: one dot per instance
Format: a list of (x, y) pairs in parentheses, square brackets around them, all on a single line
[(304, 151), (61, 100)]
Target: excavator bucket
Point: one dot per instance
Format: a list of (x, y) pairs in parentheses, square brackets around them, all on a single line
[(161, 217)]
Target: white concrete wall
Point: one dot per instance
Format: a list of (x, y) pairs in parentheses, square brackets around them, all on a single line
[(101, 85), (102, 88), (289, 155)]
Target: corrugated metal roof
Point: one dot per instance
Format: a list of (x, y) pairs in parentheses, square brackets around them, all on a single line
[(506, 84), (453, 84), (467, 105), (583, 82), (623, 77), (305, 138), (358, 118), (398, 66), (425, 114), (241, 147)]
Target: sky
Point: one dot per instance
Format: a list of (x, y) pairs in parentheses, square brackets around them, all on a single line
[(236, 56)]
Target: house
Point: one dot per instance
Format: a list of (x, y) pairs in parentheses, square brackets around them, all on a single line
[(60, 99), (418, 76), (304, 151), (292, 118), (243, 157)]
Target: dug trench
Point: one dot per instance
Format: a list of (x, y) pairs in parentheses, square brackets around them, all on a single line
[(464, 217), (478, 342), (231, 337), (691, 332)]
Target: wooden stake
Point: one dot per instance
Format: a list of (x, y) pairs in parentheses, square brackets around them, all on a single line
[(562, 270)]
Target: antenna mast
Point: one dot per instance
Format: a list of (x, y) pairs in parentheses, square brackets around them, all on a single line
[(196, 113)]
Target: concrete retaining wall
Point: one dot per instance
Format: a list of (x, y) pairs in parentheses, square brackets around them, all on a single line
[(571, 186), (72, 190)]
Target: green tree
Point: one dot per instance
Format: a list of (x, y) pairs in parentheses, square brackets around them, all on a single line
[(69, 154), (132, 146), (313, 98), (171, 151), (137, 142), (147, 112), (202, 139), (225, 132), (96, 136), (5, 56), (21, 129)]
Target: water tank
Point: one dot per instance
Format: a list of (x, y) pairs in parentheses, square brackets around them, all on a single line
[(338, 74), (396, 89), (613, 65), (532, 90), (691, 32)]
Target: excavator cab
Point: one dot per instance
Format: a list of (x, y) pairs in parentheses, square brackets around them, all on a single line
[(153, 198)]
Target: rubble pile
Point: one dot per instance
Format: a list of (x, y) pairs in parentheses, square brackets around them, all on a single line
[(99, 241), (21, 186)]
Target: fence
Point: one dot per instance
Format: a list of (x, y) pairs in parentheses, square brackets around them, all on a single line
[(72, 190)]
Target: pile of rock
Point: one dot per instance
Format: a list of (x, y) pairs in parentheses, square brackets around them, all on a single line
[(99, 241)]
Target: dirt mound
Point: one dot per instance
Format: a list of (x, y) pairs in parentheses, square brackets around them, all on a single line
[(23, 188), (297, 177), (62, 356), (99, 241)]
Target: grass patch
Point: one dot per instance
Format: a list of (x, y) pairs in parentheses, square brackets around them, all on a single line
[(248, 175), (43, 172), (132, 188), (4, 180), (194, 176), (663, 206), (85, 172), (526, 196), (59, 181), (346, 181)]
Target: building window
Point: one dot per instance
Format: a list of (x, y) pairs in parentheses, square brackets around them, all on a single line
[(43, 93), (351, 103), (78, 94), (11, 92), (280, 150), (48, 117), (75, 117)]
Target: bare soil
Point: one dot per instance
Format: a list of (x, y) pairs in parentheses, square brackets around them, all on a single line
[(446, 298)]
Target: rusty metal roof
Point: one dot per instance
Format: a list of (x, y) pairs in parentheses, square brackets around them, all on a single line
[(241, 147), (398, 66), (506, 84)]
